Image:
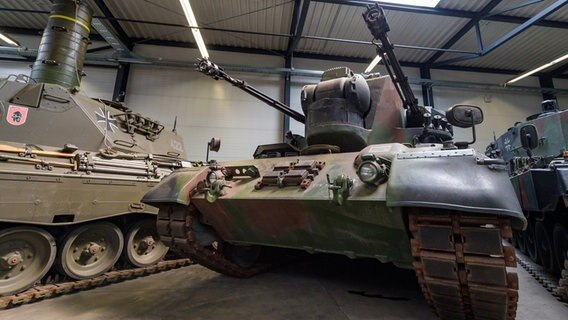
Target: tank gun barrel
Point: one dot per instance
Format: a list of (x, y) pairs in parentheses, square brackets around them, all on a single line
[(214, 71), (377, 23)]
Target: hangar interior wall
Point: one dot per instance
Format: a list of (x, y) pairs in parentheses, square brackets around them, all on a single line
[(206, 108)]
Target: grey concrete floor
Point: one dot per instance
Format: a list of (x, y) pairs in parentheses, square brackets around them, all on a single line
[(319, 287)]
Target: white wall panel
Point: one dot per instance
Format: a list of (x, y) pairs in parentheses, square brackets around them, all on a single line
[(8, 68), (501, 109), (99, 82), (206, 107)]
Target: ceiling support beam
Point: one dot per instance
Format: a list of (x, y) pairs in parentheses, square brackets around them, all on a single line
[(513, 33), (109, 28), (103, 48), (210, 47), (38, 32), (558, 71), (513, 8), (478, 37), (298, 27), (404, 8), (465, 29), (446, 12)]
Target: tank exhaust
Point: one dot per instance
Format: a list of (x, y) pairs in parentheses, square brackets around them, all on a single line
[(63, 45)]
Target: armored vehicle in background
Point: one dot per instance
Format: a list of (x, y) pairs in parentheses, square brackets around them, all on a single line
[(536, 152), (380, 178), (73, 169)]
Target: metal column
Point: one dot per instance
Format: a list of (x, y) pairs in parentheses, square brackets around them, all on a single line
[(121, 82), (427, 93), (546, 82)]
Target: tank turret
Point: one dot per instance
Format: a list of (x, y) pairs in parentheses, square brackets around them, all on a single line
[(335, 110)]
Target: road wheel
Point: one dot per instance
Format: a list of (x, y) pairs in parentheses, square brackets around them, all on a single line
[(515, 239), (560, 241), (243, 256), (26, 255), (142, 244), (90, 250), (544, 247), (522, 241), (531, 242)]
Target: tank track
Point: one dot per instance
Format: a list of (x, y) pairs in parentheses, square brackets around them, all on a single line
[(459, 280), (41, 292), (175, 230), (557, 287), (548, 281), (562, 290), (461, 264)]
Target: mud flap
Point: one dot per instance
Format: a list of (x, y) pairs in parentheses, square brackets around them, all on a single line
[(176, 187), (452, 179)]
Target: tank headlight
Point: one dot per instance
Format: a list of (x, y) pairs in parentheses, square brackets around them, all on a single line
[(212, 177), (368, 172)]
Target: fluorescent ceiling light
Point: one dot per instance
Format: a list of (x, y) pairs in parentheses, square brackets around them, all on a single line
[(194, 28), (544, 66), (417, 3), (373, 64), (9, 40)]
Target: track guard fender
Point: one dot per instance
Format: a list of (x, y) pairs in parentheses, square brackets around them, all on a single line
[(175, 188), (452, 179)]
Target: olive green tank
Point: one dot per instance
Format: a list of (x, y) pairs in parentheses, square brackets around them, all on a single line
[(536, 152), (380, 177), (73, 169)]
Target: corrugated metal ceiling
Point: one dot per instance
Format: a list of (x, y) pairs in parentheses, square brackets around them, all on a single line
[(346, 22), (330, 20), (21, 19), (531, 10), (269, 16)]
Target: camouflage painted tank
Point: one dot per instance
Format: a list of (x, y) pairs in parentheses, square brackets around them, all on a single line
[(73, 169), (537, 154), (380, 178)]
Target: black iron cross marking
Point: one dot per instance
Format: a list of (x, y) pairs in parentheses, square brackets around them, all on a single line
[(104, 116)]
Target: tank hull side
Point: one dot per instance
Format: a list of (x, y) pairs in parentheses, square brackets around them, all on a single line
[(36, 198), (452, 182), (357, 229), (541, 189)]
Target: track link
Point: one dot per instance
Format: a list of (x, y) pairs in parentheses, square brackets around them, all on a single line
[(562, 290), (47, 291), (461, 264), (548, 281), (175, 230)]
